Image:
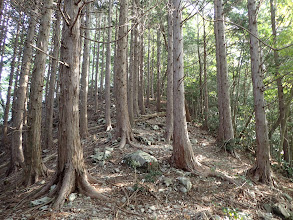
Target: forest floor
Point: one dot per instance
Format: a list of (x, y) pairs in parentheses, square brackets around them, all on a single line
[(155, 195)]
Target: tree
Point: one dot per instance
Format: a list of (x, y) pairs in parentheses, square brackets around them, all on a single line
[(261, 170), (123, 129), (108, 72), (169, 116), (33, 157), (158, 69), (17, 156), (97, 68), (84, 77), (141, 67), (135, 60), (71, 173), (182, 156), (226, 132), (48, 142)]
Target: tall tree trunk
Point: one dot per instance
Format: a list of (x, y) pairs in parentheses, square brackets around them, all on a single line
[(71, 174), (83, 129), (12, 67), (123, 129), (135, 62), (182, 156), (131, 76), (103, 59), (97, 67), (158, 70), (205, 83), (17, 157), (141, 68), (284, 141), (261, 170), (48, 143), (227, 133), (200, 102), (169, 116), (108, 72), (152, 70), (33, 156), (148, 73)]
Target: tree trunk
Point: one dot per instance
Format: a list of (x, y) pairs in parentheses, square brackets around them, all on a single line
[(135, 62), (97, 68), (131, 76), (226, 128), (182, 156), (148, 74), (83, 129), (123, 129), (33, 156), (261, 170), (108, 72), (71, 173), (200, 102), (141, 69), (103, 56), (158, 70), (205, 81), (48, 143), (284, 141), (152, 70), (12, 67), (169, 114), (17, 157)]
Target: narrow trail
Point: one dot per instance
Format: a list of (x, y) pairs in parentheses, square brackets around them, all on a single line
[(149, 195)]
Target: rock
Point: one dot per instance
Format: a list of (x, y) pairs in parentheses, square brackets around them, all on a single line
[(267, 207), (193, 141), (167, 181), (72, 197), (153, 208), (265, 216), (183, 189), (141, 159), (123, 200), (281, 210), (43, 208), (142, 210), (102, 155), (116, 170), (43, 182), (40, 201), (155, 127), (185, 182)]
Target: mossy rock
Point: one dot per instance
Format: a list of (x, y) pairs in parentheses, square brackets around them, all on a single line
[(142, 160)]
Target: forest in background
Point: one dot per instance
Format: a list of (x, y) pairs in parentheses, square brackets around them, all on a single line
[(234, 57)]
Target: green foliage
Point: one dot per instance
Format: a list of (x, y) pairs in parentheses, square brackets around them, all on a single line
[(234, 213), (152, 176)]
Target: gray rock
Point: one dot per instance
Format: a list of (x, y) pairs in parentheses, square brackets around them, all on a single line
[(156, 127), (72, 197), (286, 196), (40, 201), (183, 189), (193, 141), (167, 181), (101, 155), (141, 159), (268, 208), (281, 210), (185, 182), (265, 216)]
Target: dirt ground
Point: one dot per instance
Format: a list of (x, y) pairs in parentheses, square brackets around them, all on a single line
[(140, 195)]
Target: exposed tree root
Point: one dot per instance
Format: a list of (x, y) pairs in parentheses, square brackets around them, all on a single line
[(263, 177)]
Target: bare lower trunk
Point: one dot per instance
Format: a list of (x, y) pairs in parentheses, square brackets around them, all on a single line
[(108, 72), (261, 170), (169, 114), (34, 165), (158, 70), (50, 110), (83, 129), (182, 156)]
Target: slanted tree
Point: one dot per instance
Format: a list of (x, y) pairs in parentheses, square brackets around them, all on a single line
[(35, 168), (71, 173), (169, 116), (261, 170), (108, 72), (83, 129), (123, 129)]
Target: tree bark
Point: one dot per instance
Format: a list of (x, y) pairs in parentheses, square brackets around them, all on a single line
[(158, 70), (169, 116), (182, 156), (83, 129), (205, 81), (135, 62), (123, 129), (148, 73), (131, 70), (33, 156), (261, 171), (97, 68), (225, 129), (108, 72), (141, 68), (103, 63), (48, 142)]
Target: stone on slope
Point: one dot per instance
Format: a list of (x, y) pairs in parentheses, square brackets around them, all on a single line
[(141, 159)]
